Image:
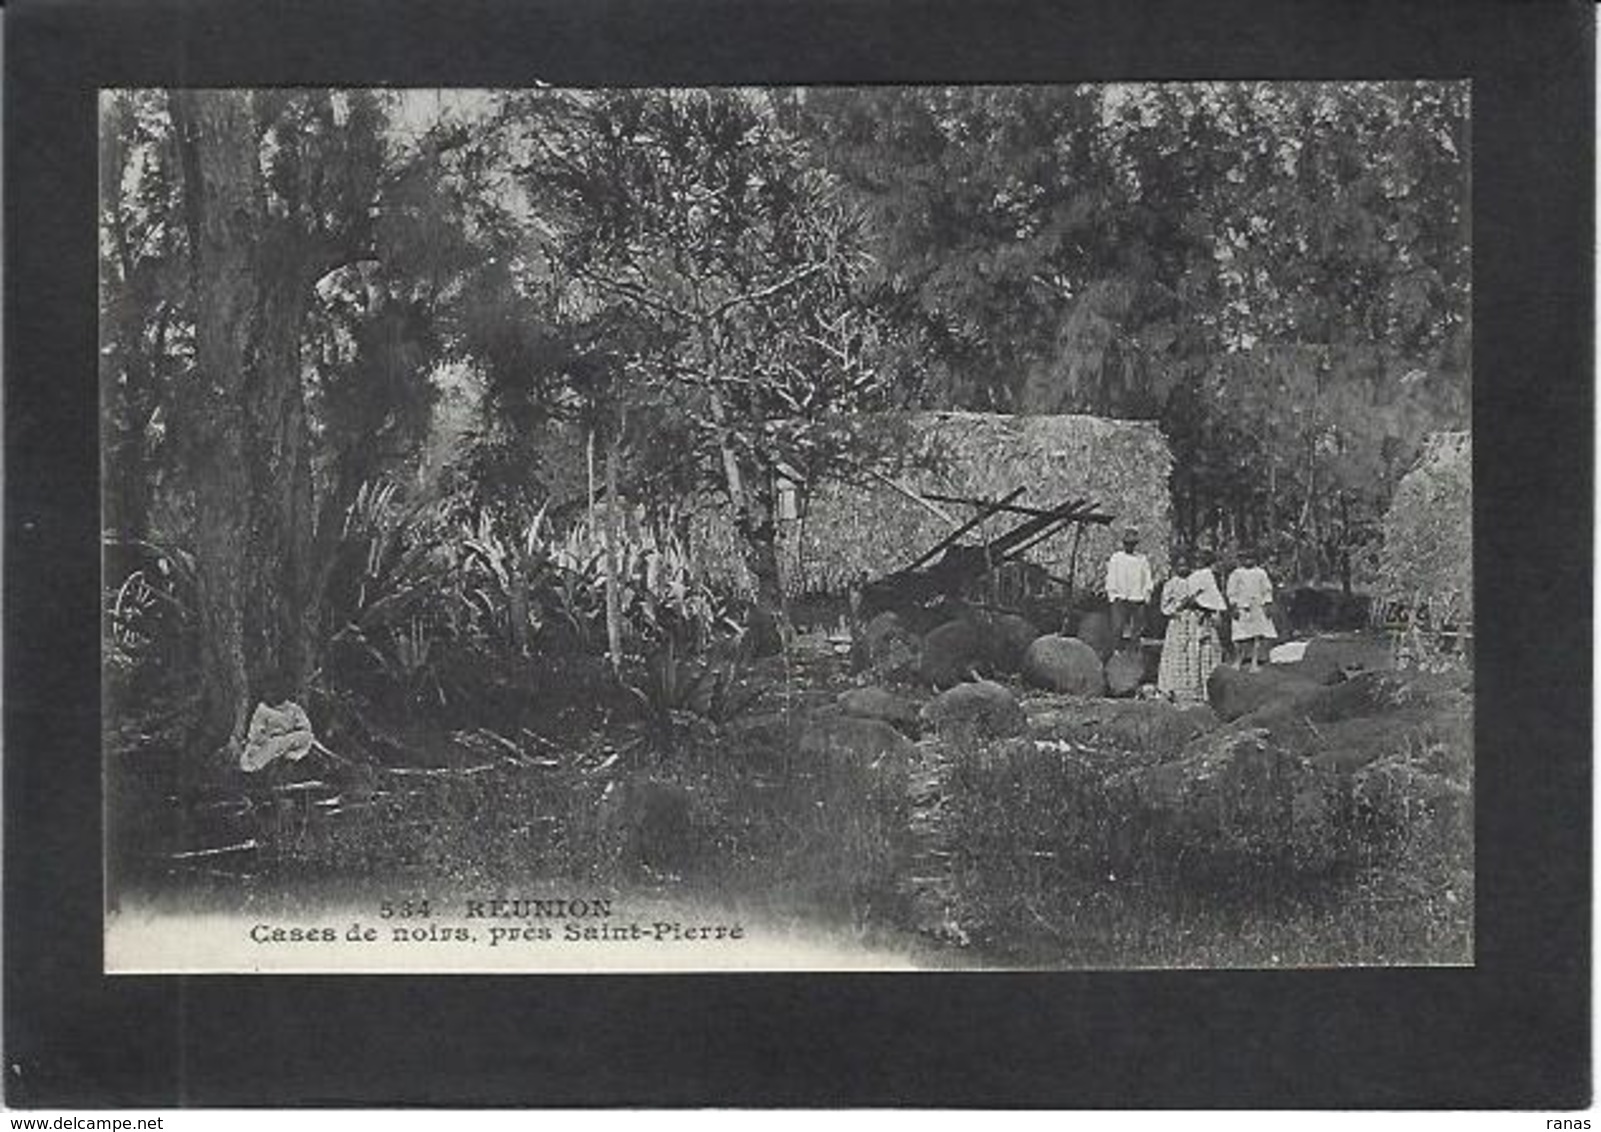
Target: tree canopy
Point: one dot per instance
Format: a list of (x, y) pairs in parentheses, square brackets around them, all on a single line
[(1278, 271), (712, 283)]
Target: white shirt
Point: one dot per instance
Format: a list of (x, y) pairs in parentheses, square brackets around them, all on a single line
[(1128, 577), (1249, 588)]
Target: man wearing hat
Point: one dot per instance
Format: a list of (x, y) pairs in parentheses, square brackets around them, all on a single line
[(1128, 587)]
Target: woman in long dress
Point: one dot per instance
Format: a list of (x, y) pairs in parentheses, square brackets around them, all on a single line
[(1191, 650), (1250, 594)]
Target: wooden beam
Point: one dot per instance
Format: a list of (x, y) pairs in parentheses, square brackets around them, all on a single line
[(922, 499), (1008, 508), (1026, 530), (985, 512), (1077, 521), (1040, 536)]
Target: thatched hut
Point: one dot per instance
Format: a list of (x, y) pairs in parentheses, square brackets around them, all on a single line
[(1427, 558), (832, 534)]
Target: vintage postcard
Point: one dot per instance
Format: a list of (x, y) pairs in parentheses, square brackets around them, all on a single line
[(745, 529)]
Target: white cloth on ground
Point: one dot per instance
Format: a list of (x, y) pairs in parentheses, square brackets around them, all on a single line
[(281, 732), (1290, 652)]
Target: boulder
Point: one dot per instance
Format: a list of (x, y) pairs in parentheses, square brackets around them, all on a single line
[(848, 737), (1371, 693), (1332, 658), (951, 652), (983, 706), (888, 647), (1125, 671), (1148, 730), (1404, 797), (877, 703), (1095, 629), (1233, 692), (1368, 694), (851, 758), (1064, 664), (1009, 636), (1375, 716), (1238, 796), (1340, 772)]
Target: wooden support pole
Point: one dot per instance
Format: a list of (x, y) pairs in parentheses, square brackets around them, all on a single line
[(985, 512)]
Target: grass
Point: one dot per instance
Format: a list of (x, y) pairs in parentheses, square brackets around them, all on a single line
[(1061, 854), (1031, 852)]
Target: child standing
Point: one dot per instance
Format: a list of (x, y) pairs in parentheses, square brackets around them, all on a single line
[(1250, 594)]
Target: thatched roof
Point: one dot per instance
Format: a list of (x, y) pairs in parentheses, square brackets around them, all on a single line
[(1427, 557), (879, 526)]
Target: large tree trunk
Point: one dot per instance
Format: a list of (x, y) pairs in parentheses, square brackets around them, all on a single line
[(247, 421), (752, 506), (761, 552), (278, 631), (758, 531)]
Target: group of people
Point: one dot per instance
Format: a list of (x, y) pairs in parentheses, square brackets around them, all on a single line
[(1196, 608)]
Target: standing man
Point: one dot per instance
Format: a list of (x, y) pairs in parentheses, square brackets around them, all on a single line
[(1128, 588)]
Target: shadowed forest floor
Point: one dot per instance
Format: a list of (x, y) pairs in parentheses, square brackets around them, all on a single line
[(1103, 833)]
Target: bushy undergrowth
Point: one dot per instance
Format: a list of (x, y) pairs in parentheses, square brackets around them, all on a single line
[(437, 618), (474, 731), (733, 814), (1068, 850), (420, 594), (446, 610)]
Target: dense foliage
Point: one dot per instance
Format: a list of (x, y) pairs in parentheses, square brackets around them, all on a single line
[(1279, 272), (300, 287)]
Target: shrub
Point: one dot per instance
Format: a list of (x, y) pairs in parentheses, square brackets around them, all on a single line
[(387, 606), (1027, 831)]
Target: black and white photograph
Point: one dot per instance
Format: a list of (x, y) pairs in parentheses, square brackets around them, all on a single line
[(901, 527)]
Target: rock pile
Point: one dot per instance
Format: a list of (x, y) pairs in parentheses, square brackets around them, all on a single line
[(1286, 781), (951, 653)]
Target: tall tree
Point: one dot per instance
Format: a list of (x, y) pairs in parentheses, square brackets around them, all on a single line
[(281, 276), (731, 272), (278, 190), (1278, 271)]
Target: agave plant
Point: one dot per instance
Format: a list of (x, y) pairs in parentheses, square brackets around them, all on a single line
[(515, 583), (388, 590), (400, 568), (677, 689)]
